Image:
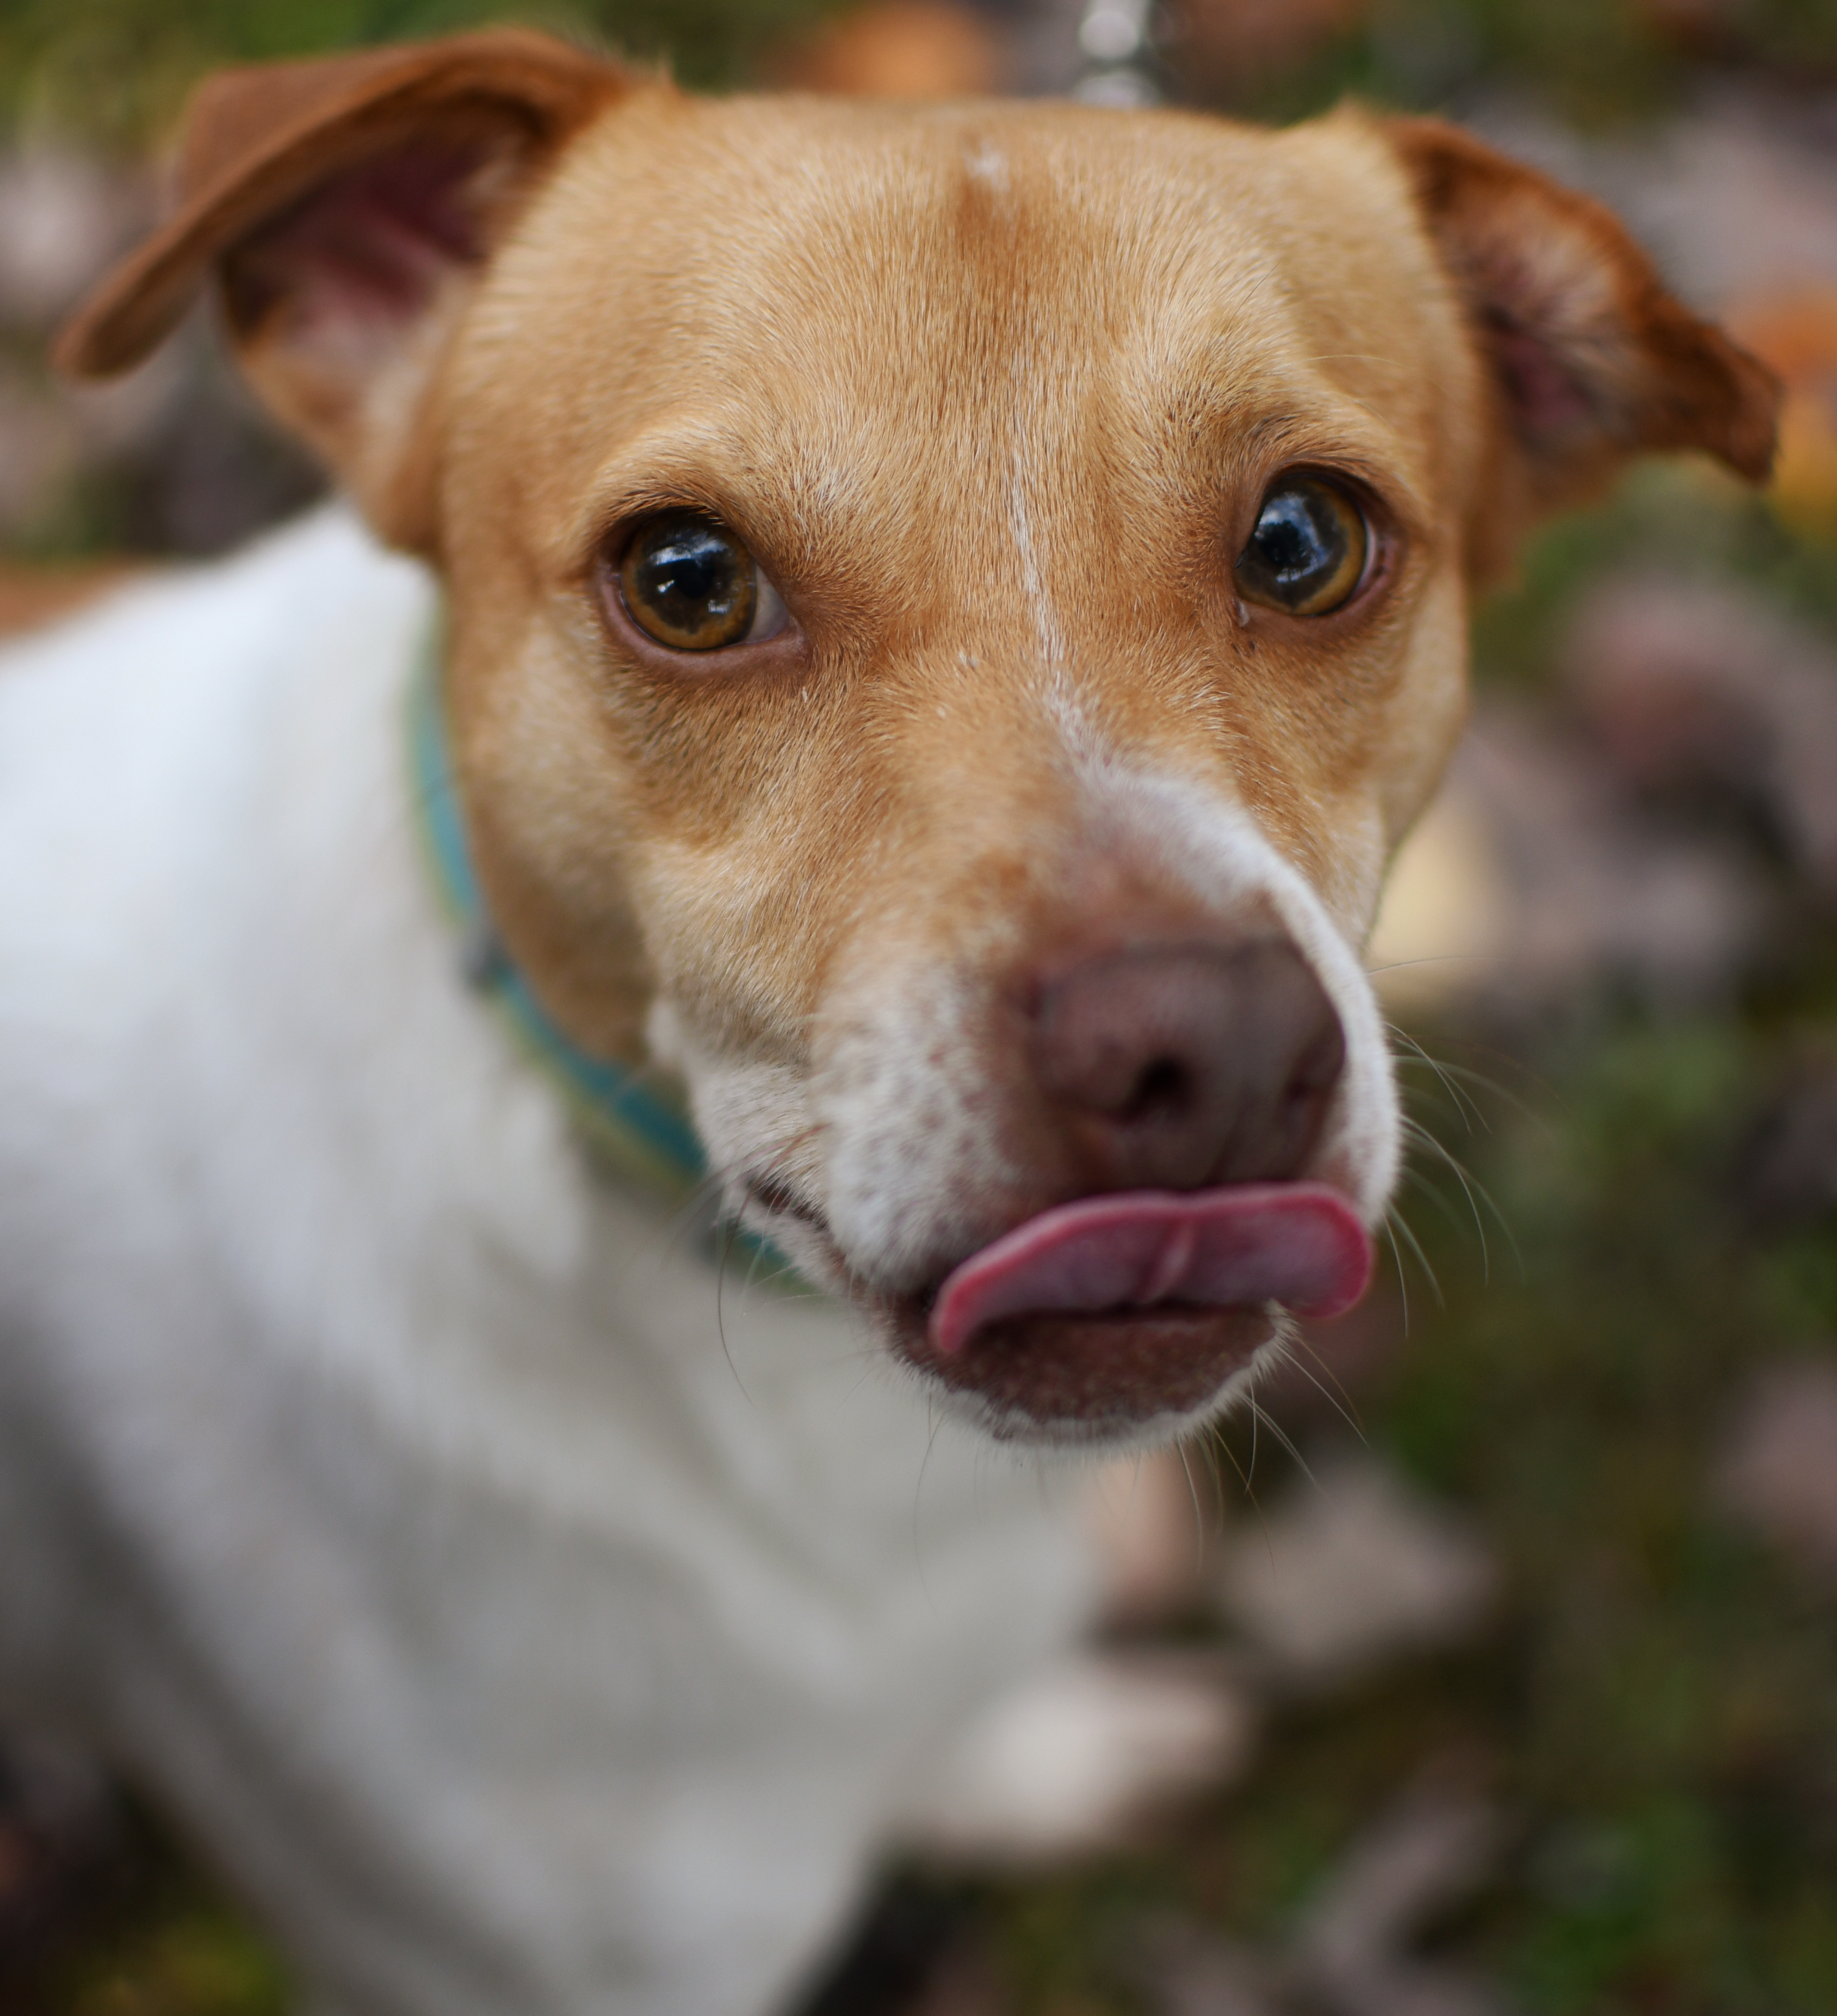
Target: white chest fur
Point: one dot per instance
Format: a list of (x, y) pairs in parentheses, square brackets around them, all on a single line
[(371, 1477)]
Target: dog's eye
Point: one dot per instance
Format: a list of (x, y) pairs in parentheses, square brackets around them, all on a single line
[(1309, 550), (688, 582)]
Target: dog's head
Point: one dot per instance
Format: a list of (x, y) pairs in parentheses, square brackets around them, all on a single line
[(952, 611)]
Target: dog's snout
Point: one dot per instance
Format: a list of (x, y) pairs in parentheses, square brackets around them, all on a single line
[(1177, 1066)]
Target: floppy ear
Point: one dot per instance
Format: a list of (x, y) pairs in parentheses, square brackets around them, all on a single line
[(344, 207), (1589, 360)]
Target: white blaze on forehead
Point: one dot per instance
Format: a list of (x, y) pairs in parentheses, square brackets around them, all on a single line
[(1025, 488), (988, 163), (1045, 627)]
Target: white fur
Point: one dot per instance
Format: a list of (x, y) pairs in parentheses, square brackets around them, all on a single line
[(373, 1480)]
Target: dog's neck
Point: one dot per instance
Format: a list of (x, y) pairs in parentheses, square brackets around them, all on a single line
[(645, 1135)]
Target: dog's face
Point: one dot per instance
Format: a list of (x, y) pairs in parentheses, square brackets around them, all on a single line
[(951, 612)]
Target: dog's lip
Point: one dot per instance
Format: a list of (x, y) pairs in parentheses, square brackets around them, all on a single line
[(1301, 1245), (777, 1194)]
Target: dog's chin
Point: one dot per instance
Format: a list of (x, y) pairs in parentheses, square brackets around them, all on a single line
[(1118, 1317), (1086, 1376)]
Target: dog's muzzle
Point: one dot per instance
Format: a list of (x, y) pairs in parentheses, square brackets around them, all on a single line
[(1175, 1093)]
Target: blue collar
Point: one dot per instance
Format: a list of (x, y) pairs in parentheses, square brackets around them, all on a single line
[(645, 1136)]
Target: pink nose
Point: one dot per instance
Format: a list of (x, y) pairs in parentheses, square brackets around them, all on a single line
[(1177, 1066)]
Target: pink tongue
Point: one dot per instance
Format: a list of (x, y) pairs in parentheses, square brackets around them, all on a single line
[(1300, 1244)]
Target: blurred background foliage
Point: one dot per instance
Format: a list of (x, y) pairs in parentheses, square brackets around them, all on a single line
[(116, 71), (1607, 1351)]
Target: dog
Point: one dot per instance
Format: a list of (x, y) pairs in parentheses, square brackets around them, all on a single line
[(921, 627)]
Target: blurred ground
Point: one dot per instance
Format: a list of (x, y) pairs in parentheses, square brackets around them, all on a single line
[(1522, 1590)]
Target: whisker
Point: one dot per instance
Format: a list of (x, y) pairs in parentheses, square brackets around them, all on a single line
[(1475, 1188), (1424, 1104), (1209, 1451), (1429, 1141), (1198, 1515), (1397, 1259), (1444, 1077), (1349, 1417), (1468, 1075), (1419, 1179), (1426, 959), (1275, 1430), (1220, 1441), (730, 1231), (1394, 1217)]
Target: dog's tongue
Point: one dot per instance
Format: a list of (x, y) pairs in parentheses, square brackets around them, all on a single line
[(1300, 1244)]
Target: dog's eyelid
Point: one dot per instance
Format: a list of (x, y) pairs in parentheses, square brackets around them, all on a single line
[(628, 495), (1370, 476), (606, 546), (1353, 483)]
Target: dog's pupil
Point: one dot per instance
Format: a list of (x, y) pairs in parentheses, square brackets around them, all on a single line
[(1299, 537), (1308, 552), (689, 583), (694, 577)]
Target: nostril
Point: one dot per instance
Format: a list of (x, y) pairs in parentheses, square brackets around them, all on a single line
[(1163, 1091), (1321, 1064)]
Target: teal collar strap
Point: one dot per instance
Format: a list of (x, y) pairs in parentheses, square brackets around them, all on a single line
[(645, 1136)]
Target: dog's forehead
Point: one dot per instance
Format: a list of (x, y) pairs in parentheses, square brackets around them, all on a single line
[(842, 271), (1015, 199)]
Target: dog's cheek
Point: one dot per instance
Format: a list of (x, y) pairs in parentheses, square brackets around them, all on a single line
[(908, 1117), (1426, 717), (753, 1120), (748, 1114)]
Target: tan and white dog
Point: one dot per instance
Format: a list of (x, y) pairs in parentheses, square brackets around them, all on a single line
[(941, 618)]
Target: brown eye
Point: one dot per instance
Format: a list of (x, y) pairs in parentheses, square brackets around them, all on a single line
[(1309, 550), (688, 582)]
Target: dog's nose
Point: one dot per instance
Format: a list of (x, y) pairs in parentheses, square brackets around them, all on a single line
[(1177, 1066)]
